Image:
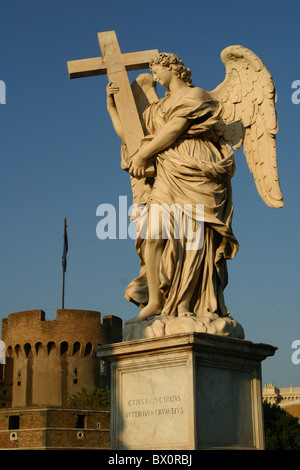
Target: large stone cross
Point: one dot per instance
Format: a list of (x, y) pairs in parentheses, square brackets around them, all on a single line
[(115, 65)]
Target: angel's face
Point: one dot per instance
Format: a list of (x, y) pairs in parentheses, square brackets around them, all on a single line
[(161, 75)]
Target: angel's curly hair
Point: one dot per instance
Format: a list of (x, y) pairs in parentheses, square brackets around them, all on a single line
[(175, 64)]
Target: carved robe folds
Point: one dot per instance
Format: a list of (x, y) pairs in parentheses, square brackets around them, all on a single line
[(196, 169)]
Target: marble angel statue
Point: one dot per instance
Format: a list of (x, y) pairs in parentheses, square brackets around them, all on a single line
[(191, 134)]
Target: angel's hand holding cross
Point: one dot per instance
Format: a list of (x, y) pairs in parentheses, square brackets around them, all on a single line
[(111, 90)]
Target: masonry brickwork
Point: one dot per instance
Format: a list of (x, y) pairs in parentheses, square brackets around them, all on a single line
[(47, 362), (50, 428)]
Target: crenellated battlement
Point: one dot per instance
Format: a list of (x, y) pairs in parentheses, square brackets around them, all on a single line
[(49, 360), (77, 330)]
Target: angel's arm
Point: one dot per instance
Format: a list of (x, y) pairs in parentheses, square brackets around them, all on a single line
[(163, 139), (111, 90)]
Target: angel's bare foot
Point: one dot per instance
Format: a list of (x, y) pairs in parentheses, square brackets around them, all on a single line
[(148, 311), (183, 311)]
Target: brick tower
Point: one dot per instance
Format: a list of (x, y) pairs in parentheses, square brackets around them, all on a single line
[(47, 361)]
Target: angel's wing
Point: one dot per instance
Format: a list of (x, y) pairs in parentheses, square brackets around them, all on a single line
[(249, 118), (144, 92)]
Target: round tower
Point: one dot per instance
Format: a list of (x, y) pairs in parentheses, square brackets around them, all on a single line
[(51, 360)]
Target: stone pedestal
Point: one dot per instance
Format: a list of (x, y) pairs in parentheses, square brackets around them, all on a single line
[(186, 391)]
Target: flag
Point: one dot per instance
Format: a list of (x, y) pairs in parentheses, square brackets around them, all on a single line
[(65, 251)]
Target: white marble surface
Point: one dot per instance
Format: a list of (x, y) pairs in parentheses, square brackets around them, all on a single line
[(187, 391)]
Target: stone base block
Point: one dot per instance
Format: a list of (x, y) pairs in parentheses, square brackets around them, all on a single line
[(186, 391)]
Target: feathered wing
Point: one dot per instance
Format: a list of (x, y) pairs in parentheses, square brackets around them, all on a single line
[(144, 93), (249, 118)]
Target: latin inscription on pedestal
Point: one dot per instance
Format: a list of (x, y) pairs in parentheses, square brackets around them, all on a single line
[(154, 404), (186, 392)]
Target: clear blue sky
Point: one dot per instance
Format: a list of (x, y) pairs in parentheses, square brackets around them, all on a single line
[(60, 158)]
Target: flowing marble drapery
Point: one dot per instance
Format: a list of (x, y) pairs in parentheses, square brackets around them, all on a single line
[(195, 169)]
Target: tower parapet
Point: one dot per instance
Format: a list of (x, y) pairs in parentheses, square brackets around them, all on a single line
[(54, 359)]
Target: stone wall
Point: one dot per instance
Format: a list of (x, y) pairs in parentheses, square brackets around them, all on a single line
[(51, 360), (54, 428), (288, 398)]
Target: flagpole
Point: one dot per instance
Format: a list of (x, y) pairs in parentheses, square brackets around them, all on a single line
[(64, 262), (63, 292)]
